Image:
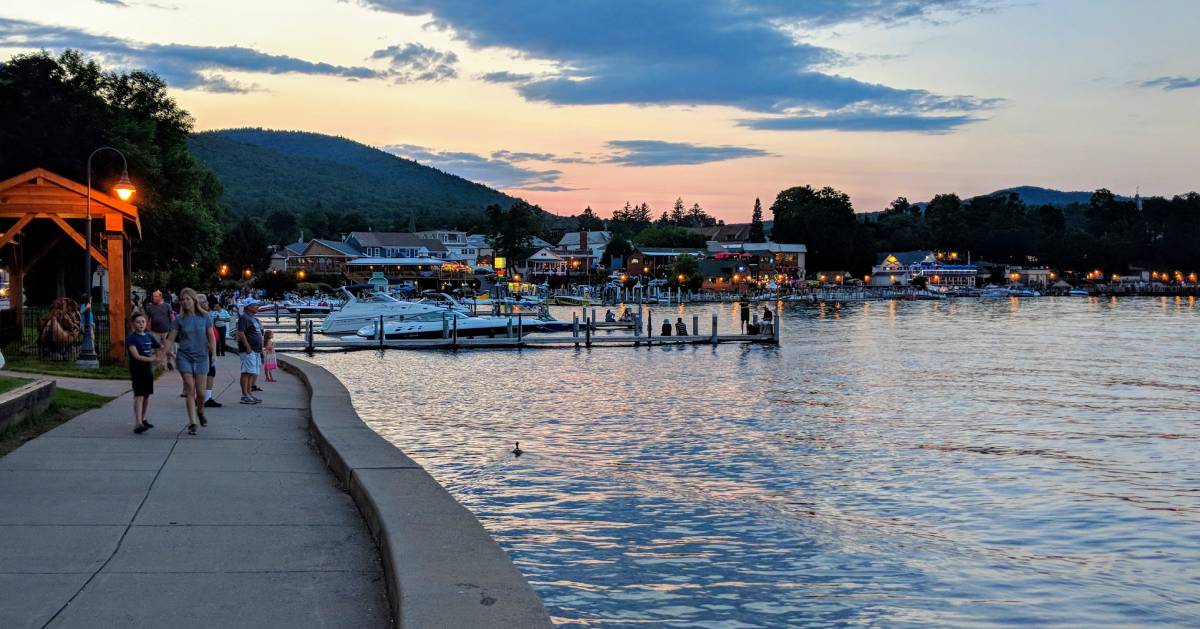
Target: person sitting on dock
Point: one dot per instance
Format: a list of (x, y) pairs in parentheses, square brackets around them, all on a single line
[(609, 317), (767, 324), (666, 328), (626, 315), (680, 327)]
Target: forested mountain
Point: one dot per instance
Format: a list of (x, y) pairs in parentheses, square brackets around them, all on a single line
[(1033, 195), (264, 170)]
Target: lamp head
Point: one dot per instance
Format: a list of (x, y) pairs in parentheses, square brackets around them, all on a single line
[(124, 187)]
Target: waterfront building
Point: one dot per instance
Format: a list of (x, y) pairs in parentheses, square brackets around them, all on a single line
[(457, 246), (943, 269), (422, 272), (1039, 277), (396, 245), (586, 246), (324, 257), (658, 261)]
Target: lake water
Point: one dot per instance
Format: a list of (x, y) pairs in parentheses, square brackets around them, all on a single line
[(960, 463)]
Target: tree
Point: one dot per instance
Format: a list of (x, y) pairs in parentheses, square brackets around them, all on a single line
[(689, 268), (618, 247), (246, 246), (899, 206), (756, 223), (351, 222), (282, 227), (317, 223), (697, 217), (56, 110), (511, 231), (677, 212), (946, 222), (589, 221), (823, 220), (668, 236)]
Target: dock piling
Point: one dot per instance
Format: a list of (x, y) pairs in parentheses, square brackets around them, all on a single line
[(587, 329), (775, 326), (696, 325), (714, 328), (308, 337), (379, 331)]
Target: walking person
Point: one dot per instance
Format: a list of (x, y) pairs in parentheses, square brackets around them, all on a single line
[(140, 346), (192, 330), (221, 319), (270, 364), (250, 346), (161, 315), (209, 402)]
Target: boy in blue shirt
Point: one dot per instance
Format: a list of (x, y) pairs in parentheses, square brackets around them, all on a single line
[(139, 348)]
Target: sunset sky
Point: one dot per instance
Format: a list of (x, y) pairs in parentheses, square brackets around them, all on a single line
[(599, 102)]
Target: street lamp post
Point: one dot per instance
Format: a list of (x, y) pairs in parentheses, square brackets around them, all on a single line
[(124, 190)]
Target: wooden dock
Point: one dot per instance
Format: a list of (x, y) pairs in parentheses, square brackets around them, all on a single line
[(536, 341), (582, 335)]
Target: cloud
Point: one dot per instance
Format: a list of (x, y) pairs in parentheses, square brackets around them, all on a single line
[(181, 66), (510, 156), (737, 53), (497, 172), (115, 3), (415, 62), (862, 121), (505, 77), (659, 153), (1171, 83)]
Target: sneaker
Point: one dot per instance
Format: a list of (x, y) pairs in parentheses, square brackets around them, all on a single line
[(246, 399), (212, 403), (203, 421), (256, 400), (191, 429), (147, 424), (140, 429), (254, 387)]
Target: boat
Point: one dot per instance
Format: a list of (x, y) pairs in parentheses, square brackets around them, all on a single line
[(1078, 292), (359, 311), (431, 325), (569, 300), (1023, 292), (310, 306), (443, 300), (994, 292)]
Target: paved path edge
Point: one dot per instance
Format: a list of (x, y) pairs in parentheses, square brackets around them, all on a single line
[(442, 567)]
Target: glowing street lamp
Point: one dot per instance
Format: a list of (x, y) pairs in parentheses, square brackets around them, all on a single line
[(300, 274), (124, 190), (246, 273), (223, 270)]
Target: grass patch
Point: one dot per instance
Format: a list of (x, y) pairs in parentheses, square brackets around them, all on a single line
[(65, 369), (65, 405), (8, 384)]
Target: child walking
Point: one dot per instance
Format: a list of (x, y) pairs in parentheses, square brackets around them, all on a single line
[(269, 362), (140, 346)]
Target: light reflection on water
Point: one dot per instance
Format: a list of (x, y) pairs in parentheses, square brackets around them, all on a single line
[(954, 463)]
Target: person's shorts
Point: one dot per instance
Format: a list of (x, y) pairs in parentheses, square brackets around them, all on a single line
[(195, 365), (251, 362), (143, 381)]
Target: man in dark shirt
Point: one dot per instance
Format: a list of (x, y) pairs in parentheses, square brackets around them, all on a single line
[(250, 347), (161, 315)]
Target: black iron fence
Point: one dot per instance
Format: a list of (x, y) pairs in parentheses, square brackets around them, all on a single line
[(25, 333)]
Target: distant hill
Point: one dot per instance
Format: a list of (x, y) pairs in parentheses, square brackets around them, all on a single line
[(1033, 195), (264, 170)]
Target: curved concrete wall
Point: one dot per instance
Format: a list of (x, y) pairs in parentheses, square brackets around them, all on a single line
[(442, 567)]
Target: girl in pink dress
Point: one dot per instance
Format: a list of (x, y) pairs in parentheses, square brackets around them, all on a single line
[(269, 362)]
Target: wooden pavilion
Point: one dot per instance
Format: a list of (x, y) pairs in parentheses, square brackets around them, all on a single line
[(39, 194)]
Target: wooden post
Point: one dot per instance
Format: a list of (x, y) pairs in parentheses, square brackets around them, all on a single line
[(454, 339), (587, 330), (593, 315), (649, 324), (775, 327), (297, 321), (520, 328), (445, 327), (308, 337), (714, 328), (575, 327), (379, 331), (118, 291), (508, 330), (277, 313), (695, 325)]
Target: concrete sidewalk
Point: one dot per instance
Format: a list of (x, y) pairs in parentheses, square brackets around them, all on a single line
[(239, 526)]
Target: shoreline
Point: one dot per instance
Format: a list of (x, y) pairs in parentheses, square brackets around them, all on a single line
[(441, 566)]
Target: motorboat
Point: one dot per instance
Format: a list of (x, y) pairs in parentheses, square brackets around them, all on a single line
[(443, 300), (1078, 292), (569, 300), (439, 324), (994, 292), (360, 311), (310, 306)]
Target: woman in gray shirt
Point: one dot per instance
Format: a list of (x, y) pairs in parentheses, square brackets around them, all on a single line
[(192, 329)]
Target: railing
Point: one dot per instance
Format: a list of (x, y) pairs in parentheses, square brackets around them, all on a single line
[(21, 335)]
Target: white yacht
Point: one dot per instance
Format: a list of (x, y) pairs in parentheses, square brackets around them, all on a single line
[(361, 311), (430, 325)]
